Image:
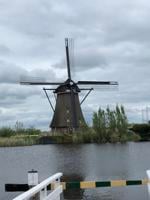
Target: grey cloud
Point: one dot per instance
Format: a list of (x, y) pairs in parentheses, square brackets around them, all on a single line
[(30, 119), (111, 43), (84, 60), (114, 21), (34, 18), (12, 73), (13, 95), (90, 58), (4, 50), (46, 74)]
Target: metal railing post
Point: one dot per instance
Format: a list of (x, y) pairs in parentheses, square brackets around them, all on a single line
[(32, 181), (43, 193), (57, 184), (148, 184)]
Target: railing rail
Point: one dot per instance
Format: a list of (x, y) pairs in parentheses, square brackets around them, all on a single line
[(42, 189)]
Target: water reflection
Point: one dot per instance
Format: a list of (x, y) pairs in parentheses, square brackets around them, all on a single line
[(70, 160), (73, 193), (72, 164)]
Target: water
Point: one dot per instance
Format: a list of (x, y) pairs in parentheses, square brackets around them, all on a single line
[(79, 162)]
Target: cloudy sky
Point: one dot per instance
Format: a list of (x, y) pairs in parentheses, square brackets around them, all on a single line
[(111, 42)]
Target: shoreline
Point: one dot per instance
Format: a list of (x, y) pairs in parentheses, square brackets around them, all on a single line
[(25, 140)]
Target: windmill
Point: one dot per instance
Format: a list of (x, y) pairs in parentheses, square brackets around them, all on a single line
[(67, 114)]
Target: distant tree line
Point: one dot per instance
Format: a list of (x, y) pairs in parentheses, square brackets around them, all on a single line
[(143, 130), (18, 130)]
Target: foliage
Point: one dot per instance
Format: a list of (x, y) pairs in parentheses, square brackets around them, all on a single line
[(18, 130), (84, 136), (18, 141), (108, 126), (114, 137), (133, 136), (99, 125), (6, 132), (111, 125), (143, 130), (32, 131)]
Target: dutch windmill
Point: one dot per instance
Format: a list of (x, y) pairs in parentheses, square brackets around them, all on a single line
[(67, 114)]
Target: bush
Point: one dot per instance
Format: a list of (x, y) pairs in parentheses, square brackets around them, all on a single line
[(143, 130), (77, 138), (32, 131), (123, 138), (110, 125), (132, 136), (6, 132), (114, 138)]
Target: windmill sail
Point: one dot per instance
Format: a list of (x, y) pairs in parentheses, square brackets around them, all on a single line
[(97, 83), (39, 83)]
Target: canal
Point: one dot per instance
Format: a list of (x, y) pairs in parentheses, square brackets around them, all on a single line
[(79, 162)]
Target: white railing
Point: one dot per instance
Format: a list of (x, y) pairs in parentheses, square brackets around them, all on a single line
[(41, 190), (148, 174)]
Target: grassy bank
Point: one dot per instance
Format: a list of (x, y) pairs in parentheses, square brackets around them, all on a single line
[(76, 138), (21, 140)]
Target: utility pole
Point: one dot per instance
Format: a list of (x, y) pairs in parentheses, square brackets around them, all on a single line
[(142, 116), (147, 114)]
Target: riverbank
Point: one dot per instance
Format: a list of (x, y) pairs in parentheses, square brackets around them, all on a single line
[(31, 136), (82, 138), (22, 140)]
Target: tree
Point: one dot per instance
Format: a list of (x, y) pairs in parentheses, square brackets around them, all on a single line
[(19, 128), (99, 124), (111, 125), (6, 132)]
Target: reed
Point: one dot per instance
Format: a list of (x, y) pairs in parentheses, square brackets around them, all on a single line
[(18, 141)]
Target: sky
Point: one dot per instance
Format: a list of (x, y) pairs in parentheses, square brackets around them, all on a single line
[(111, 43)]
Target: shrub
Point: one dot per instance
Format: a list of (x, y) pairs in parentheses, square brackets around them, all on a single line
[(143, 130), (123, 138), (110, 125), (114, 138), (32, 131), (6, 132)]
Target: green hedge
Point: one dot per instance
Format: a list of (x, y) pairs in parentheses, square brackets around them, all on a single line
[(143, 130)]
